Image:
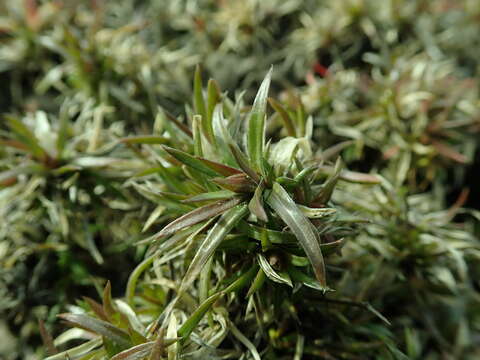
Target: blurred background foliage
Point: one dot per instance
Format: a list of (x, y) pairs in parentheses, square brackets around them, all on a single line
[(91, 88)]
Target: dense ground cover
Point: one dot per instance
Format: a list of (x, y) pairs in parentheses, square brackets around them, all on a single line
[(323, 208)]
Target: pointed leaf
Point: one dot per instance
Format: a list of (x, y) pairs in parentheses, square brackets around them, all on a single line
[(242, 162), (239, 183), (46, 338), (190, 160), (99, 327), (242, 280), (257, 282), (187, 328), (298, 276), (77, 351), (197, 135), (198, 215), (213, 195), (287, 122), (327, 189), (288, 211), (256, 204), (172, 351), (199, 102), (145, 139), (108, 307), (256, 124), (213, 97), (24, 134), (220, 168), (138, 352), (215, 236), (271, 273), (316, 213)]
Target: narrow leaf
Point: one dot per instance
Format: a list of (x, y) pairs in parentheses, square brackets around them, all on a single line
[(298, 276), (198, 215), (108, 307), (172, 351), (241, 281), (46, 338), (158, 347), (215, 236), (256, 204), (197, 135), (287, 122), (256, 124), (257, 282), (190, 160), (24, 134), (213, 97), (316, 213), (327, 189), (288, 211), (214, 195), (271, 273), (220, 168), (144, 139), (239, 183), (159, 210), (187, 328), (77, 351), (138, 352), (99, 327), (242, 162)]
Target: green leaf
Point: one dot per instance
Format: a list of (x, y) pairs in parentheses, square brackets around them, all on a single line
[(197, 135), (187, 328), (256, 204), (63, 129), (256, 124), (242, 281), (220, 168), (327, 189), (77, 351), (198, 215), (288, 211), (316, 213), (99, 327), (172, 352), (159, 210), (299, 276), (138, 352), (239, 183), (276, 237), (24, 134), (287, 122), (198, 101), (7, 176), (257, 282), (244, 340), (215, 236), (223, 138), (145, 139), (242, 162), (213, 98), (108, 307), (281, 278), (213, 195), (190, 160)]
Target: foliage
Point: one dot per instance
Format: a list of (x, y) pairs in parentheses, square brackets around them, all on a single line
[(326, 210)]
